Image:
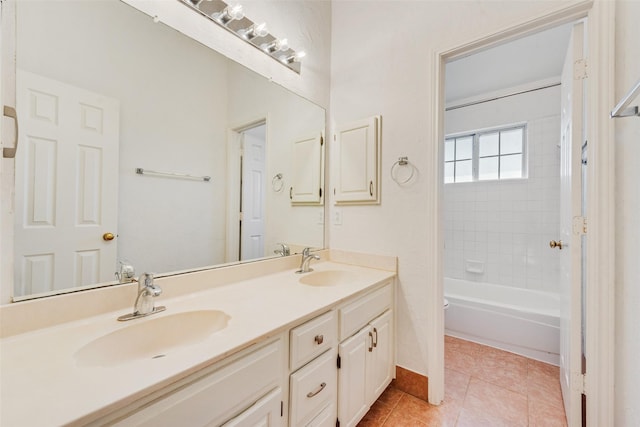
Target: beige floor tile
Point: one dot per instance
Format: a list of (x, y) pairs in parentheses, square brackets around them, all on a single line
[(483, 387), (487, 399), (455, 384), (545, 414)]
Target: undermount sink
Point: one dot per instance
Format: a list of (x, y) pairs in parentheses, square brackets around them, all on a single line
[(152, 338), (328, 278)]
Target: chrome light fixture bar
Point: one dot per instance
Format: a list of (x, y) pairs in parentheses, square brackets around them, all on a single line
[(231, 17)]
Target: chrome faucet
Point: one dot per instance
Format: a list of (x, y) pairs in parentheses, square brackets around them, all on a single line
[(144, 304), (306, 259), (283, 251)]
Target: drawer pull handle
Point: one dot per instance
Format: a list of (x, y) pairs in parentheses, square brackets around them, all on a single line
[(371, 345), (318, 390), (319, 339), (375, 341)]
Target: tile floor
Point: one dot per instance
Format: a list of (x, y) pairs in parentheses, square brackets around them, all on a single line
[(483, 387)]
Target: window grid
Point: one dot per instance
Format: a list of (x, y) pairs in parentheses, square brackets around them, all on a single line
[(501, 153)]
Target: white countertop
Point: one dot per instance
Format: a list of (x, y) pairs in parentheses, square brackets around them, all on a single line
[(42, 385)]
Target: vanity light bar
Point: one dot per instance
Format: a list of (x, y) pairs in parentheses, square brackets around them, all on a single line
[(231, 17)]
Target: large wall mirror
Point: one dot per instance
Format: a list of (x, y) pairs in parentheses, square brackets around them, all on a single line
[(141, 146)]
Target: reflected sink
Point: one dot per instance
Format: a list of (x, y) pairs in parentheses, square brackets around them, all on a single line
[(152, 338), (328, 278)]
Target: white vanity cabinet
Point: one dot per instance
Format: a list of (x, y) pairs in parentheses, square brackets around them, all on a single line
[(329, 368), (241, 391), (367, 357), (313, 387)]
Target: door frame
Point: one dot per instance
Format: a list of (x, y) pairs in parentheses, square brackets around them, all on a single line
[(600, 300), (234, 135)]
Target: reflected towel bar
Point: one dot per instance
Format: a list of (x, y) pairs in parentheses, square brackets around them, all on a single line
[(141, 171), (621, 109)]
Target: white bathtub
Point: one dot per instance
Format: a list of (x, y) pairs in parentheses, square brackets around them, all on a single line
[(519, 320)]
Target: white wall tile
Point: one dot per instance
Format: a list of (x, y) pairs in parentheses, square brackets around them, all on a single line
[(508, 224)]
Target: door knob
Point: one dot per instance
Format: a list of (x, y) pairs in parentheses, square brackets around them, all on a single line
[(108, 236), (553, 244)]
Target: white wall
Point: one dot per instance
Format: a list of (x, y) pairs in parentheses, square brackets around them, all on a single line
[(507, 225), (627, 290), (169, 88)]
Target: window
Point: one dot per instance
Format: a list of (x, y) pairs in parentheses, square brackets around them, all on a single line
[(487, 155)]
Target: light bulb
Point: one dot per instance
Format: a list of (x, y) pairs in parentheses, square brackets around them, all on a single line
[(275, 46), (230, 13), (256, 30), (236, 12), (296, 57)]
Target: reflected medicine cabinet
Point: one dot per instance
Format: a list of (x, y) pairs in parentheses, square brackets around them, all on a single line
[(307, 171), (357, 148)]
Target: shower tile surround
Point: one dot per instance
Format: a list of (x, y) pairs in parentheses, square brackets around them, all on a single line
[(507, 225)]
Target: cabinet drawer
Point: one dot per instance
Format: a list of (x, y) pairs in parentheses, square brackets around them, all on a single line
[(217, 396), (312, 338), (313, 387), (265, 412), (326, 418), (357, 314)]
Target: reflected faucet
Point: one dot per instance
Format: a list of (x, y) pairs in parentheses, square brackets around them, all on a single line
[(144, 304), (126, 273), (306, 259), (283, 251)]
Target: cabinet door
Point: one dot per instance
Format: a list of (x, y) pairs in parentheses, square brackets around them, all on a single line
[(380, 361), (352, 377), (357, 162), (264, 413), (306, 179), (217, 396)]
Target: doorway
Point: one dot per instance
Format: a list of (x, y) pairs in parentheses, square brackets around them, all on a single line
[(503, 155), (246, 198), (599, 277), (252, 192)]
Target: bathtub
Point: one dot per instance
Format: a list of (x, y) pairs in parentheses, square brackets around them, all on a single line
[(522, 321)]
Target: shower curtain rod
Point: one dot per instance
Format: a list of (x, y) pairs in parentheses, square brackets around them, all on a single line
[(495, 98)]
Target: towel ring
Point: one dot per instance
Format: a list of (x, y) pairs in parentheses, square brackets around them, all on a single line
[(402, 161), (277, 183)]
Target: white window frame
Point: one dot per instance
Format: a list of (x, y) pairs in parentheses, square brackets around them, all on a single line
[(475, 156)]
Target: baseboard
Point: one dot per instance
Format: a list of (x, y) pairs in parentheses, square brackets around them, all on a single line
[(412, 383)]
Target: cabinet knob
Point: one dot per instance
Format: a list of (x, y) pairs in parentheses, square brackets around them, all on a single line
[(319, 339)]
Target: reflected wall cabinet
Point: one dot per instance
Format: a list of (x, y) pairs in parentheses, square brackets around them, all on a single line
[(357, 159), (307, 170)]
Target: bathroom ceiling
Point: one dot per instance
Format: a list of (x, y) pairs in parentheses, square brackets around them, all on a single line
[(529, 59)]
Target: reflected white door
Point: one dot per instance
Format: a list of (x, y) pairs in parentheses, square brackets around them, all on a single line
[(252, 226), (66, 186), (570, 226)]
